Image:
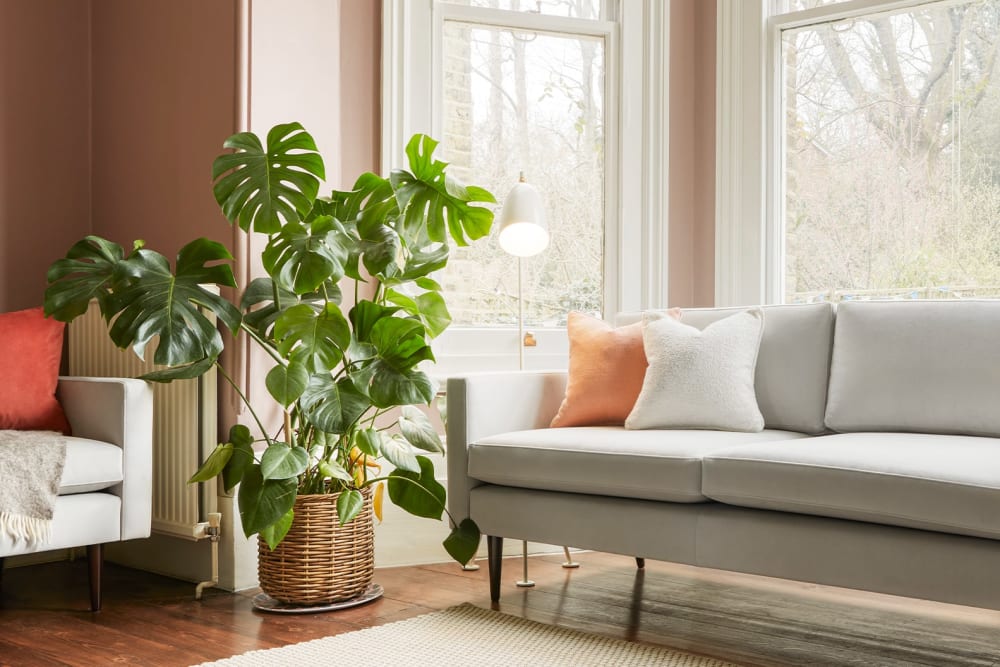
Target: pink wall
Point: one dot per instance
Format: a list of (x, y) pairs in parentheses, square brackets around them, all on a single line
[(692, 153), (112, 112), (164, 93), (704, 132), (44, 140), (360, 82)]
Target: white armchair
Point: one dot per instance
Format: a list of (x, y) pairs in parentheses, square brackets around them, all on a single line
[(105, 494)]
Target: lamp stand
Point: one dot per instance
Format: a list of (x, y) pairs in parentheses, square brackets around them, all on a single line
[(520, 314), (524, 582)]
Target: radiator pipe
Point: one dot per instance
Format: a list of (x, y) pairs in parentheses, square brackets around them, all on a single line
[(213, 532)]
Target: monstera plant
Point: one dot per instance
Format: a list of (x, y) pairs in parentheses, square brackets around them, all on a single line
[(339, 375)]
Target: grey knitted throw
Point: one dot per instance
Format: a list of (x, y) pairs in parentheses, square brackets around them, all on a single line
[(31, 466)]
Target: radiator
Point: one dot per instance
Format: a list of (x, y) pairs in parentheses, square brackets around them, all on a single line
[(184, 423)]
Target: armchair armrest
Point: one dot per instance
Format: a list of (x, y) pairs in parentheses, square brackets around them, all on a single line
[(118, 411), (489, 404)]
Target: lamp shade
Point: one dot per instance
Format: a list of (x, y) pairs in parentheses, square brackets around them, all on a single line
[(523, 229)]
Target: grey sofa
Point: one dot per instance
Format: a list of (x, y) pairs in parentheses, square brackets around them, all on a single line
[(878, 469), (105, 494)]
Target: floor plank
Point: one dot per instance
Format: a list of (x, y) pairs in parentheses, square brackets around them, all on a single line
[(152, 620)]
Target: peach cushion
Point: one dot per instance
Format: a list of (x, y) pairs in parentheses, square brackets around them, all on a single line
[(30, 351), (606, 370)]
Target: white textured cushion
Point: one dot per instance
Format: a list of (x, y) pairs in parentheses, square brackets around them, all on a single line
[(606, 460), (700, 379), (947, 483), (919, 366)]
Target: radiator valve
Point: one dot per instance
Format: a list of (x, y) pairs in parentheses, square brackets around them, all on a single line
[(213, 530)]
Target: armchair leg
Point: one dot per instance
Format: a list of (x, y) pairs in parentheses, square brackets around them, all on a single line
[(1, 572), (640, 562), (95, 558), (494, 549)]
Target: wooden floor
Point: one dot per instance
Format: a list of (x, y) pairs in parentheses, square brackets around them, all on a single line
[(152, 620)]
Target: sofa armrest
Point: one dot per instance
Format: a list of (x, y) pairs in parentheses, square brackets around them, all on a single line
[(119, 411), (489, 404)]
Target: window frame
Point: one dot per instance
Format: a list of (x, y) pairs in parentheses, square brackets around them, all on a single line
[(636, 34), (750, 167)]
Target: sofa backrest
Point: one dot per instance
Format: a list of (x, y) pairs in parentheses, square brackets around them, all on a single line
[(918, 366), (793, 365)]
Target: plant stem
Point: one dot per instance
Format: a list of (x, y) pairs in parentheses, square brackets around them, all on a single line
[(378, 413), (274, 285), (263, 343), (288, 429), (246, 401)]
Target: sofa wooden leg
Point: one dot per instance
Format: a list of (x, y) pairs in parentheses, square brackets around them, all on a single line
[(1, 572), (640, 562), (494, 550), (95, 558)]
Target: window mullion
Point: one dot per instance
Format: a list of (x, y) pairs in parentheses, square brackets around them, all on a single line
[(502, 18), (740, 154), (842, 11)]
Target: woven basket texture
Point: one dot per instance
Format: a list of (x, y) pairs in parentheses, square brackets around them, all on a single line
[(320, 561)]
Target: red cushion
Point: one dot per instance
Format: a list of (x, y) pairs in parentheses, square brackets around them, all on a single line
[(30, 352)]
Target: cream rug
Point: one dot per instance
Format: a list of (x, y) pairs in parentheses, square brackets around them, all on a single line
[(467, 636)]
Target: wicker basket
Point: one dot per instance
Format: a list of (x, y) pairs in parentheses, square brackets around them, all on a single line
[(320, 561)]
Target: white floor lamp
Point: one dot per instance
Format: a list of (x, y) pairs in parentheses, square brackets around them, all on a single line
[(524, 232)]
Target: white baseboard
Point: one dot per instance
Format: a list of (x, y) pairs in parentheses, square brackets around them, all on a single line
[(163, 554), (404, 539)]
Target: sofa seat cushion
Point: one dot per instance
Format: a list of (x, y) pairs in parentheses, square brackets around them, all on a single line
[(606, 460), (944, 483), (91, 465)]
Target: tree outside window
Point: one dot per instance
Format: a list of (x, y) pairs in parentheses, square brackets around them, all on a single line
[(892, 167)]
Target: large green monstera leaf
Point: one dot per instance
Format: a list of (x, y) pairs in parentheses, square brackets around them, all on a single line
[(262, 189), (157, 303), (390, 378), (85, 273), (429, 200), (143, 299), (304, 256), (317, 340)]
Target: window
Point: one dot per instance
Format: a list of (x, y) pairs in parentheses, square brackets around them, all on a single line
[(531, 102), (873, 172), (573, 94), (891, 178)]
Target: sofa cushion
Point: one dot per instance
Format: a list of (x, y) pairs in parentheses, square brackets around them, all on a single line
[(606, 369), (30, 355), (91, 465), (920, 366), (700, 378), (934, 482), (606, 460), (793, 365)]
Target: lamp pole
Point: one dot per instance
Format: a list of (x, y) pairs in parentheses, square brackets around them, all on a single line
[(524, 582), (524, 233), (520, 313)]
